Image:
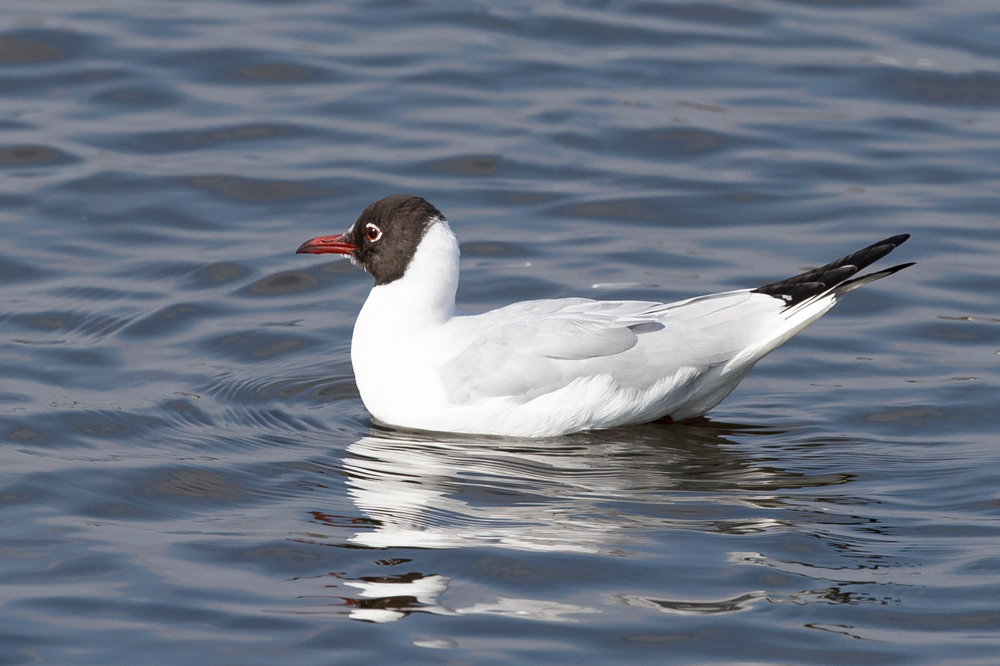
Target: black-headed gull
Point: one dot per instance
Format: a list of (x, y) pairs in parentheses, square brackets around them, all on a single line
[(555, 366)]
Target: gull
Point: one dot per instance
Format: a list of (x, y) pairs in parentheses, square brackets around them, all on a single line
[(549, 367)]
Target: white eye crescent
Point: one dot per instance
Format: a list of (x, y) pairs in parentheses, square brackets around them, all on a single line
[(372, 232)]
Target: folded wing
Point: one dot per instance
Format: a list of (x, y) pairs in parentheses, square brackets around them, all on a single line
[(532, 348)]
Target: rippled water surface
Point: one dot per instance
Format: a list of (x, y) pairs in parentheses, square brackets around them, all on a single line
[(187, 473)]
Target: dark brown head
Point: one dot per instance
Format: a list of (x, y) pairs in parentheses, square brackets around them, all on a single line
[(384, 238)]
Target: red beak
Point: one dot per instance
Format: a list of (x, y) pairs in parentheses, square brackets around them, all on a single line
[(324, 244)]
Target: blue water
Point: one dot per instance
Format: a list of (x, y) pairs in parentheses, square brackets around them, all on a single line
[(187, 473)]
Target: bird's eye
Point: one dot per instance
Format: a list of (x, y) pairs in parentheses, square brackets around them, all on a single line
[(373, 232)]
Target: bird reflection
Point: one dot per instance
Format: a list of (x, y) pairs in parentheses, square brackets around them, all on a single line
[(385, 599), (604, 492), (565, 494)]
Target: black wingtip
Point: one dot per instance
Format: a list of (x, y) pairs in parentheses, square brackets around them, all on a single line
[(849, 285), (812, 283), (898, 267)]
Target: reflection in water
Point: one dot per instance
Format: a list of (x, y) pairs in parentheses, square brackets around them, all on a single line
[(601, 493), (384, 599), (449, 494), (705, 607), (564, 495)]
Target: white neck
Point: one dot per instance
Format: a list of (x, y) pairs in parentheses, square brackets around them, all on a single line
[(425, 295)]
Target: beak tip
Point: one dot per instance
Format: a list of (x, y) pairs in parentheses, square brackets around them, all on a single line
[(326, 244)]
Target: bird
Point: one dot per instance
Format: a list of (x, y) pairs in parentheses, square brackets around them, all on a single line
[(544, 368)]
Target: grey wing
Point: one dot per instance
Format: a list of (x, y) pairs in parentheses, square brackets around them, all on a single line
[(532, 348), (528, 349)]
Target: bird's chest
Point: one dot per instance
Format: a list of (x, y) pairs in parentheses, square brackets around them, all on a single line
[(397, 364)]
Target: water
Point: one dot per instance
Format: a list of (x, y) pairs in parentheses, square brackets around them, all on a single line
[(187, 474)]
